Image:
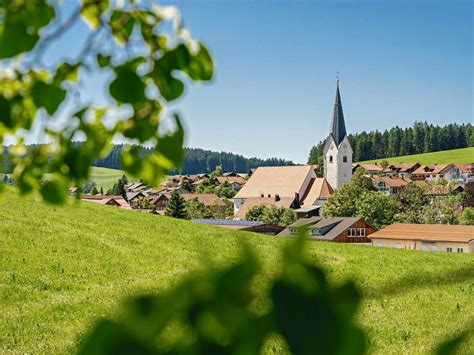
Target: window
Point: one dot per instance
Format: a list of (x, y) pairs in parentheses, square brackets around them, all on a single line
[(361, 232), (330, 158), (344, 159), (449, 250), (460, 250), (351, 232), (292, 230)]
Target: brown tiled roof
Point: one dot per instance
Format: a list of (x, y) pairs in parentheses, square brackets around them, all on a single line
[(207, 199), (266, 201), (465, 168), (279, 180), (318, 189), (402, 167), (230, 179), (103, 200), (392, 181), (432, 169), (370, 167), (426, 232)]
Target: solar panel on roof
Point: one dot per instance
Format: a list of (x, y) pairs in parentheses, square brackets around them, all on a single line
[(227, 222)]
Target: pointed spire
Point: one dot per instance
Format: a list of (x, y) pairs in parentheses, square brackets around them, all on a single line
[(338, 126)]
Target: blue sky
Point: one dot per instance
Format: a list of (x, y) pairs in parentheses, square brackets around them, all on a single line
[(276, 61)]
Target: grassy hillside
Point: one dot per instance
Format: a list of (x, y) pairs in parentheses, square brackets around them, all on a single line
[(63, 267), (105, 177), (464, 155)]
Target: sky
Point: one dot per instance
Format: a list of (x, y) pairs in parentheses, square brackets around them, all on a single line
[(276, 64)]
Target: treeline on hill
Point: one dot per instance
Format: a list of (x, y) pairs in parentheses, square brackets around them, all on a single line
[(200, 161), (420, 138)]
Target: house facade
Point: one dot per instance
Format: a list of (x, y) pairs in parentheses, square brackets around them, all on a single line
[(436, 172), (426, 237), (390, 185), (334, 229)]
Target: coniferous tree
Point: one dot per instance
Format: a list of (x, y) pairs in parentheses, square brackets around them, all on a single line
[(176, 206)]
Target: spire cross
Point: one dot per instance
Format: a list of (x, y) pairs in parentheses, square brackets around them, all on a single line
[(337, 77)]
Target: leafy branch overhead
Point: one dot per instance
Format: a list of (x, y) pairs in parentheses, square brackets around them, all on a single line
[(149, 53)]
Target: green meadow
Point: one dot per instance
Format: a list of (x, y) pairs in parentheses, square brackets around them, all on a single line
[(463, 155), (63, 268), (105, 177)]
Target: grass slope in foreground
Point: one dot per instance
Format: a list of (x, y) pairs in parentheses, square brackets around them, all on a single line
[(61, 268), (464, 156)]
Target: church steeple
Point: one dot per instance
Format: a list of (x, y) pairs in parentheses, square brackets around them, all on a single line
[(337, 151), (338, 126)]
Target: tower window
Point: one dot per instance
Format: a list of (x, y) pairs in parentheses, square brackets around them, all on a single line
[(330, 158), (344, 159)]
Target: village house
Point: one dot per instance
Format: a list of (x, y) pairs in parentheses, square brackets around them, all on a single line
[(404, 170), (282, 186), (371, 169), (334, 229), (466, 172), (117, 201), (436, 172), (236, 182), (389, 185), (428, 237)]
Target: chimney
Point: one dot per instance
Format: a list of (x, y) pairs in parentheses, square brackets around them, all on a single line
[(297, 197)]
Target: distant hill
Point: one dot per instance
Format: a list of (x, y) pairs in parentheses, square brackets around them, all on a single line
[(200, 161), (394, 142), (63, 268), (464, 155)]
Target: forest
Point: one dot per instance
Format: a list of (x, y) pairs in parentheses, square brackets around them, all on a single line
[(198, 160), (420, 138)]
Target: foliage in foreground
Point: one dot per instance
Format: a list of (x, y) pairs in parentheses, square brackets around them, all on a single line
[(145, 46), (214, 312)]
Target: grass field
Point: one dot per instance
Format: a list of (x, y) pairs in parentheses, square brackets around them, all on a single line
[(105, 177), (464, 155), (62, 268)]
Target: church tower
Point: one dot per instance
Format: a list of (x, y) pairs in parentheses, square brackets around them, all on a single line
[(337, 150)]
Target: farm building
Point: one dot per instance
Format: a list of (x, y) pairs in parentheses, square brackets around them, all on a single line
[(334, 229), (282, 186), (428, 237)]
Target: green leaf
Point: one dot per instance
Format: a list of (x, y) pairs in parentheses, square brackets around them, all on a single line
[(127, 87), (68, 72), (201, 66), (22, 22), (92, 11), (122, 24), (55, 190), (5, 113), (103, 60), (111, 338), (15, 39), (48, 96)]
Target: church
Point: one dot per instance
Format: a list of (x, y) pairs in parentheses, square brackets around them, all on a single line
[(337, 151), (298, 187)]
